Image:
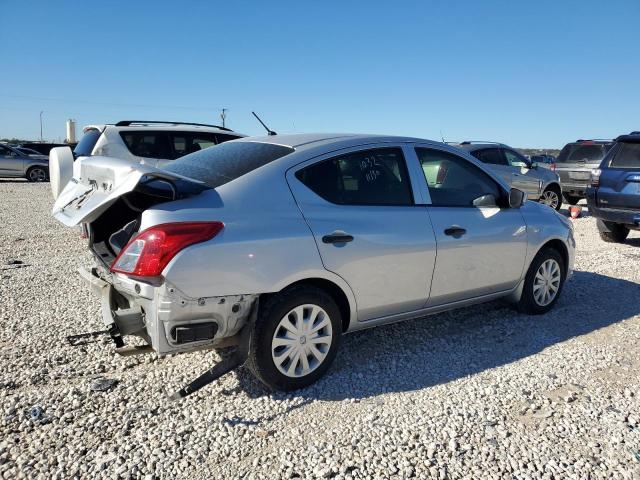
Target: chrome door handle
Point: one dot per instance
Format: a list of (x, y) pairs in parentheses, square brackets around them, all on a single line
[(455, 231), (337, 238)]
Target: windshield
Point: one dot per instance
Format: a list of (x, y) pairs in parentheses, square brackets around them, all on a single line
[(580, 152), (218, 165), (86, 144)]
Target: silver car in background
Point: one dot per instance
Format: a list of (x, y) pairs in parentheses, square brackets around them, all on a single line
[(539, 183), (14, 163), (279, 245)]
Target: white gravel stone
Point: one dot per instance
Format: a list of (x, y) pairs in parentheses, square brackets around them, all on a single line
[(482, 392)]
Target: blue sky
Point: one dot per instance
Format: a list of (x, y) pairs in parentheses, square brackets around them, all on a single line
[(531, 74)]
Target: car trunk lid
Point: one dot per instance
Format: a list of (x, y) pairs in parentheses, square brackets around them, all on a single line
[(104, 180)]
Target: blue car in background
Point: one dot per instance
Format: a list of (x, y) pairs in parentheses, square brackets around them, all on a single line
[(614, 195)]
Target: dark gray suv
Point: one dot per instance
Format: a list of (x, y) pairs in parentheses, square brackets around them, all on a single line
[(540, 184)]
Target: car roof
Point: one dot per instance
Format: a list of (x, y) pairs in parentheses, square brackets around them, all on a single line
[(472, 146), (304, 141), (170, 127)]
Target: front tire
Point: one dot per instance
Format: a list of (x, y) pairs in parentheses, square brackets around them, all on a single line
[(612, 232), (295, 338), (543, 282), (552, 197)]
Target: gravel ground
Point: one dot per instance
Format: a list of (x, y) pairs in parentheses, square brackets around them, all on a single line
[(481, 392)]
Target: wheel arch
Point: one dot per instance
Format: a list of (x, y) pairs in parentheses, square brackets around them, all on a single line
[(560, 247), (344, 303)]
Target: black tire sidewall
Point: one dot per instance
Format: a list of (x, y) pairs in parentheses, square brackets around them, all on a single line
[(527, 302), (46, 175), (269, 316)]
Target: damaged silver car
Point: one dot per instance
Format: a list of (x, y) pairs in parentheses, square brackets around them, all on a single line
[(276, 246)]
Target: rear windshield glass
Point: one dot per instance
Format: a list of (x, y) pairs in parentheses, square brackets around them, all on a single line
[(87, 142), (218, 165), (626, 156), (578, 152)]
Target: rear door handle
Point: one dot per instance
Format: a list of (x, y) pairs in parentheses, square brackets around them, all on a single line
[(455, 231), (337, 238)]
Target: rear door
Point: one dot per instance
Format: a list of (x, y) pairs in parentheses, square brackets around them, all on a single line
[(481, 247), (619, 182), (359, 205)]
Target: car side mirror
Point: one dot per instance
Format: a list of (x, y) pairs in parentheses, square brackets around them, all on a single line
[(488, 200), (516, 198)]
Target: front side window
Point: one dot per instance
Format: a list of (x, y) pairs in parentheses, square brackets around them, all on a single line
[(490, 155), (148, 144), (4, 151), (455, 182), (515, 159), (627, 155), (370, 177)]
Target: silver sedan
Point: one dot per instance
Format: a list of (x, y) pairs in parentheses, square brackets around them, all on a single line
[(279, 245)]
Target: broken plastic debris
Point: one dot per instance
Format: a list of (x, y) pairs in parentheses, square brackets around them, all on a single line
[(102, 384)]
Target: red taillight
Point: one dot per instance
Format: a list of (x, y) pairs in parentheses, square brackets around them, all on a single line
[(553, 167), (150, 251)]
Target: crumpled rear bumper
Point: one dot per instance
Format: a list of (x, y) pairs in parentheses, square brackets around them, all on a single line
[(166, 319)]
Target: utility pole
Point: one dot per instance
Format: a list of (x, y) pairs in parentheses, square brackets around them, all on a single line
[(223, 116), (41, 112)]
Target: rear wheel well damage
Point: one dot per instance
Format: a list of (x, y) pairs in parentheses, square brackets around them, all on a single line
[(326, 285)]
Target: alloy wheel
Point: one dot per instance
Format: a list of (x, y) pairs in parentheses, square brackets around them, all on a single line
[(547, 282), (37, 175), (550, 198), (301, 340)]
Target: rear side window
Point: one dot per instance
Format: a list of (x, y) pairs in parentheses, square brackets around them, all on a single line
[(148, 144), (490, 155), (370, 177), (226, 162), (453, 181), (185, 143), (86, 143), (627, 155), (580, 152)]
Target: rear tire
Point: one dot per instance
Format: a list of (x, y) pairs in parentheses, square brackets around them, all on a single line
[(612, 232), (37, 174), (552, 196), (571, 200), (543, 282), (295, 338)]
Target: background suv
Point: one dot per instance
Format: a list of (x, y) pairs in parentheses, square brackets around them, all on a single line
[(574, 165), (14, 163), (150, 142), (614, 195), (540, 184)]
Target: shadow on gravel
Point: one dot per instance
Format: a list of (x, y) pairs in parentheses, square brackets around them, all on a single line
[(441, 348)]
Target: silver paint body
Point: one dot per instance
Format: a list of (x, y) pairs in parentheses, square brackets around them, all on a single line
[(400, 264), (14, 163)]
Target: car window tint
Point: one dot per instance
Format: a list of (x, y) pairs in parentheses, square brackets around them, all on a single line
[(87, 142), (626, 156), (225, 138), (454, 181), (515, 159), (578, 152), (370, 177), (490, 155), (226, 162), (148, 144), (190, 142), (4, 151)]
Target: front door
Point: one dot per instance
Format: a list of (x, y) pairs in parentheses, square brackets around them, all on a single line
[(11, 163), (524, 178), (360, 207), (481, 247)]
